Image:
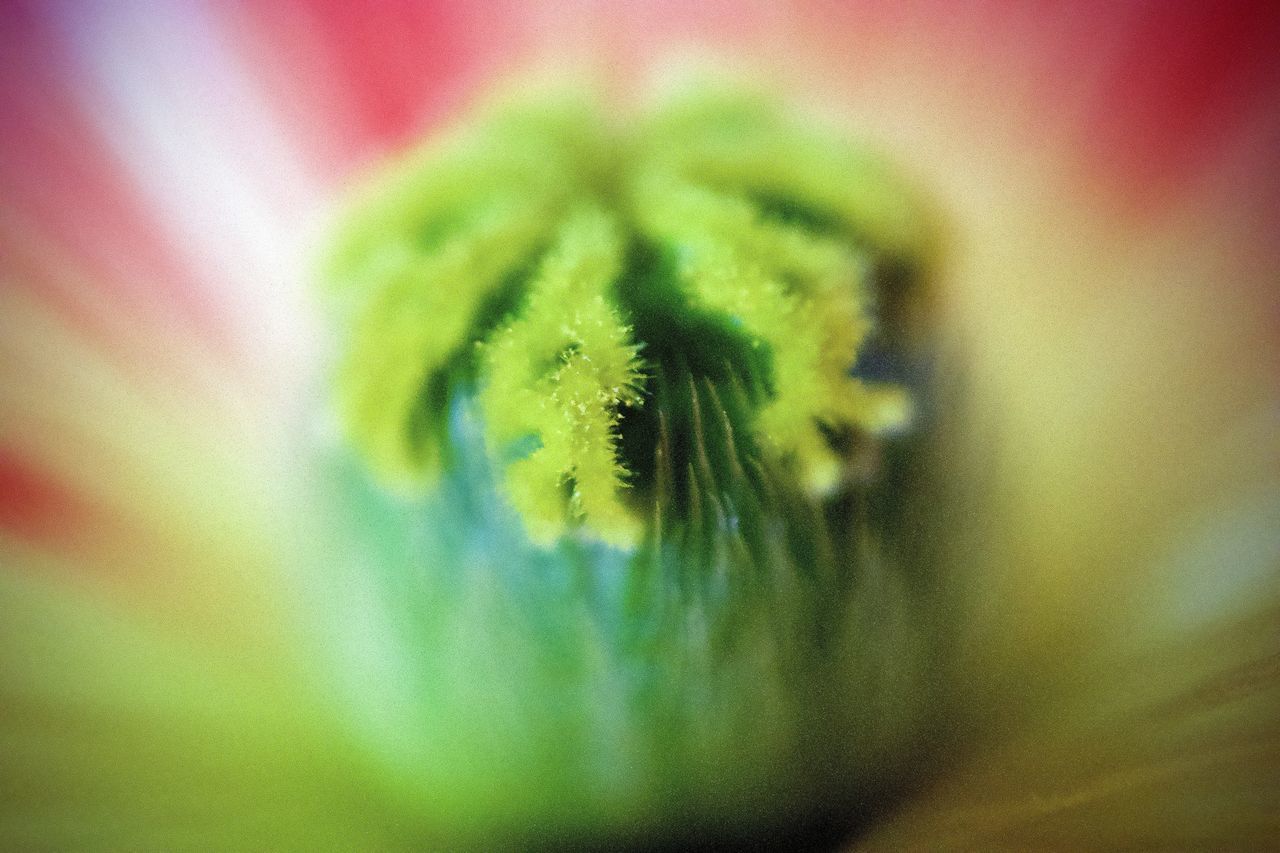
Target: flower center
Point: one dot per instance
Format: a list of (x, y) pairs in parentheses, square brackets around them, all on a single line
[(657, 321)]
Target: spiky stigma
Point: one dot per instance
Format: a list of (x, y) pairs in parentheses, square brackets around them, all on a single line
[(653, 317)]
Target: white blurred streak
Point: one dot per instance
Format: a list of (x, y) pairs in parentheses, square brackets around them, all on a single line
[(227, 184)]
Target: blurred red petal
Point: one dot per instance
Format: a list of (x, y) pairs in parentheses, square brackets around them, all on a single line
[(36, 509)]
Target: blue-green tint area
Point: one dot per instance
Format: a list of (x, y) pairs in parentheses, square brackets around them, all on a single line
[(762, 667)]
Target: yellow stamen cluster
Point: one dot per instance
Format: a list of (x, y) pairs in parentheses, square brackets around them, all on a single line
[(559, 373), (417, 260), (497, 266), (798, 294)]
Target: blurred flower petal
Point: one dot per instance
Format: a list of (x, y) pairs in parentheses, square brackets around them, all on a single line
[(184, 627)]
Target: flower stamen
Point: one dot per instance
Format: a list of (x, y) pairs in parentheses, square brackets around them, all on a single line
[(592, 290)]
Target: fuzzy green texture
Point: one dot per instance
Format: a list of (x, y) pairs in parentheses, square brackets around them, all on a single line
[(560, 267)]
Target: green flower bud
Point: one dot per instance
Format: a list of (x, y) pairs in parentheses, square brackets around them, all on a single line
[(633, 507)]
